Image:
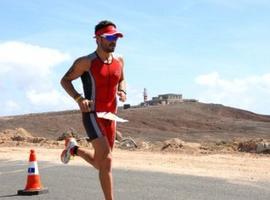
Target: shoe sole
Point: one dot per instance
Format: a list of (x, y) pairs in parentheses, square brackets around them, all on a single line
[(65, 155)]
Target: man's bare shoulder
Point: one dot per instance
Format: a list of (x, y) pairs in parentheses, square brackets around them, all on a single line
[(119, 57), (79, 66), (83, 62)]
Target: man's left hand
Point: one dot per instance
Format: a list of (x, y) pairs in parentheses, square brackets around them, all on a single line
[(122, 96)]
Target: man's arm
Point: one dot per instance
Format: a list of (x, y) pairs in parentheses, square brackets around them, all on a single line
[(122, 91), (76, 70)]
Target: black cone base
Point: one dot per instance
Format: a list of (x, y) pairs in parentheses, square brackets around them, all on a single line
[(32, 192)]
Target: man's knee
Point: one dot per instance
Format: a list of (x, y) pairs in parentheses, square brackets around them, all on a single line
[(105, 163), (103, 154)]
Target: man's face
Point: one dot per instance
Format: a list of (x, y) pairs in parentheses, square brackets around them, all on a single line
[(108, 43)]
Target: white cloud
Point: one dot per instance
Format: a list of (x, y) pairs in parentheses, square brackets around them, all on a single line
[(29, 57), (52, 98), (249, 93), (238, 4), (27, 76), (214, 81), (208, 79), (28, 65), (9, 106), (12, 105)]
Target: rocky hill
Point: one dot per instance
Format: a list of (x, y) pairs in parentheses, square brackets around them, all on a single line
[(189, 121)]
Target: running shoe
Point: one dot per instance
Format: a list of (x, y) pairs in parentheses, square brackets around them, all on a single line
[(66, 155)]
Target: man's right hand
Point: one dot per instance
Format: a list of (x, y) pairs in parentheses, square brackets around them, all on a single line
[(85, 105)]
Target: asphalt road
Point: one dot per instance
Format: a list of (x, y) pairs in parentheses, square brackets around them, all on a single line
[(80, 183)]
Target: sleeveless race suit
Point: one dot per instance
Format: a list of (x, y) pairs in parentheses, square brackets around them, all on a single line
[(100, 85)]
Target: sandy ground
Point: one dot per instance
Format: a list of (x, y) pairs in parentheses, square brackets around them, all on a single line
[(243, 167)]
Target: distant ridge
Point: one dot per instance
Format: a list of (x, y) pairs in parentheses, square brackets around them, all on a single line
[(190, 121)]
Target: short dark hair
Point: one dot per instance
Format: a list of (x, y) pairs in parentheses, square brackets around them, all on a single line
[(103, 24)]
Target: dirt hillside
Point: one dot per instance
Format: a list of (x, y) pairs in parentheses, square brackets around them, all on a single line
[(189, 121), (189, 138)]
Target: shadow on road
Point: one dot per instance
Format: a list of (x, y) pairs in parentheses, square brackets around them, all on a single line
[(9, 195)]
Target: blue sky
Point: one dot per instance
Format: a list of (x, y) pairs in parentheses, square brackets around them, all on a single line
[(216, 51)]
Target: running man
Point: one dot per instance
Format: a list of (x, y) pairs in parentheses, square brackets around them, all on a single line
[(103, 80)]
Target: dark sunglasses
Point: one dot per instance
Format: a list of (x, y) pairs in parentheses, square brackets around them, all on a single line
[(110, 38)]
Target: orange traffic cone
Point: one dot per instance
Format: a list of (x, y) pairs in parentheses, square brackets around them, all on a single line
[(33, 185)]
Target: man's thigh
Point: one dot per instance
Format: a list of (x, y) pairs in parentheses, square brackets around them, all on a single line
[(102, 148)]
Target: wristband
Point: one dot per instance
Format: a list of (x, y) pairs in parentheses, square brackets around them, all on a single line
[(78, 98), (123, 91)]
